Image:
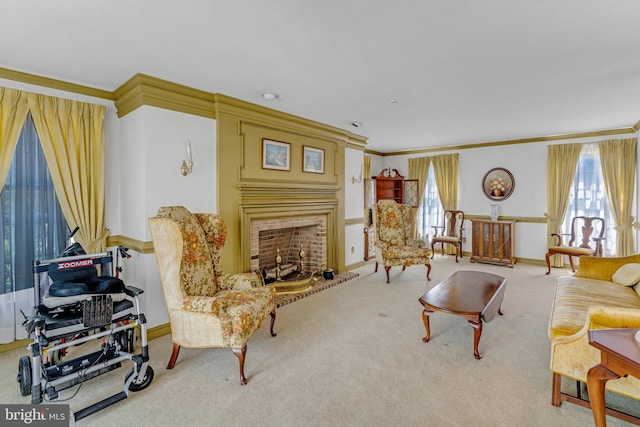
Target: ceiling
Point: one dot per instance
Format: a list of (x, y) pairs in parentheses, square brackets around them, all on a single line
[(462, 72)]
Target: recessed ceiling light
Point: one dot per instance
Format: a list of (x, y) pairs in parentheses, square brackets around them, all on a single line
[(270, 96), (393, 101)]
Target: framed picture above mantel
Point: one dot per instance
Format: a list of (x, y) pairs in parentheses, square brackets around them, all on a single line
[(276, 155), (312, 160)]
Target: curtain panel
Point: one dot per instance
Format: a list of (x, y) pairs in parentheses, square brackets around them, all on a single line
[(562, 161), (73, 141), (13, 112), (366, 169), (419, 169), (618, 162), (445, 169)]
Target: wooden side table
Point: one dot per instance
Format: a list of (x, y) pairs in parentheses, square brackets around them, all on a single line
[(620, 356)]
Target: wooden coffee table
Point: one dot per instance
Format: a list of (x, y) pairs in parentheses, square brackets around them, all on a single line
[(474, 295), (619, 357)]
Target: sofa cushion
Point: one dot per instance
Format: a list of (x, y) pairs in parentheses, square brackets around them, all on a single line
[(575, 295), (627, 275)]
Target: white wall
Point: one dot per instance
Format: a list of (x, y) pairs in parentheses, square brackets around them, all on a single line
[(353, 206), (527, 163), (153, 146)]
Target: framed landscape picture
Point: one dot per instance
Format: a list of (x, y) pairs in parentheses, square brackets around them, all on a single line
[(275, 155), (312, 160)]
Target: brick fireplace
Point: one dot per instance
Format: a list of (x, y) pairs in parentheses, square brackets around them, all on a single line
[(286, 218), (288, 234)]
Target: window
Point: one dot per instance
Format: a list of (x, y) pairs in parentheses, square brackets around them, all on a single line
[(588, 198), (431, 211), (33, 226)]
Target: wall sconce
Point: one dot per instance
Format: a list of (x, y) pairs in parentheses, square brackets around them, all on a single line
[(355, 180), (187, 165)]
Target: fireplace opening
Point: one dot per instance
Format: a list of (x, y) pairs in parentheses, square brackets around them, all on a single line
[(285, 240)]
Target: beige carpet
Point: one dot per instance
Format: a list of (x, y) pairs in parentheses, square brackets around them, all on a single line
[(353, 355)]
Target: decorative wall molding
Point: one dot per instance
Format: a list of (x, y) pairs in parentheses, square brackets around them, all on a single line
[(354, 221), (527, 219), (142, 90), (610, 132), (133, 244), (33, 79)]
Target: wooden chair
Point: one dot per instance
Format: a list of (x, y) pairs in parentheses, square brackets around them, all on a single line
[(451, 232), (589, 245)]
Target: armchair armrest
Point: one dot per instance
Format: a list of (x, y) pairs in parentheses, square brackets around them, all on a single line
[(572, 355), (416, 243), (199, 304), (559, 237), (381, 244), (436, 228), (239, 281)]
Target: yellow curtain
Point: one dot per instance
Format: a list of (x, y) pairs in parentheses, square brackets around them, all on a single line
[(13, 111), (618, 161), (445, 170), (562, 161), (366, 170), (73, 141), (419, 169)]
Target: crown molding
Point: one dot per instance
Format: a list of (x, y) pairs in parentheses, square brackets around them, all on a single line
[(33, 79), (227, 106), (559, 137), (142, 90), (375, 153), (357, 142)]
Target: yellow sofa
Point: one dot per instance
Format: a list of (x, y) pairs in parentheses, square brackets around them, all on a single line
[(589, 299)]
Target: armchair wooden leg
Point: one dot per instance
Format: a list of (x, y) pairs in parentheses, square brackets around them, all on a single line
[(573, 269), (428, 271), (546, 257), (240, 354), (273, 320), (174, 356), (376, 270), (387, 270), (433, 252)]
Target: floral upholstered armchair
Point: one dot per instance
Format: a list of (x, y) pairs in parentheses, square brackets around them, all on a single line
[(206, 307), (394, 246)]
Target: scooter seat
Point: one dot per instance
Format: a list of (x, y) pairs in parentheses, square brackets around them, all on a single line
[(93, 285)]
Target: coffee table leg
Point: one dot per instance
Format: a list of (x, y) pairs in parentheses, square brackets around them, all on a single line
[(477, 331), (425, 320)]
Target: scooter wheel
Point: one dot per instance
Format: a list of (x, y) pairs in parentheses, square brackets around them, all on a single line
[(140, 383), (24, 375)]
